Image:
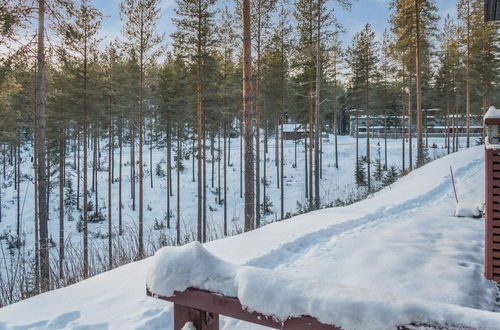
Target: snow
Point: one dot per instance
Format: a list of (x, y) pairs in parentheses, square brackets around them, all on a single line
[(492, 141), (271, 293), (176, 269), (492, 113), (401, 249), (188, 326), (336, 184), (467, 211)]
